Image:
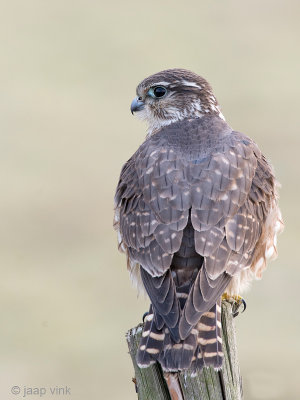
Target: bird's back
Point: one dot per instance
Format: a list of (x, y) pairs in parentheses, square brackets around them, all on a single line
[(196, 211)]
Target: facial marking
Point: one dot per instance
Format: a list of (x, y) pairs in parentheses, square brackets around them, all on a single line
[(187, 95), (191, 84)]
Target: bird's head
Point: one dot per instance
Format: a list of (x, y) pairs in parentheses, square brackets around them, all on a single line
[(173, 95)]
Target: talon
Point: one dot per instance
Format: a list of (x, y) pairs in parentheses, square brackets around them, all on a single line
[(245, 305), (145, 315), (236, 302), (236, 306)]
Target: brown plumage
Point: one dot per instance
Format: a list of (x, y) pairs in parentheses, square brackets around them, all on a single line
[(197, 215)]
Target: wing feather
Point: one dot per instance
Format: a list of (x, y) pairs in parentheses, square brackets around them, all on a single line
[(204, 172)]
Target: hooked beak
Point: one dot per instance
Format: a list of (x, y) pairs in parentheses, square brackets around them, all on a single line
[(136, 105)]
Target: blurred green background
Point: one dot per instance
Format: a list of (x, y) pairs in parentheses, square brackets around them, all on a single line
[(68, 74)]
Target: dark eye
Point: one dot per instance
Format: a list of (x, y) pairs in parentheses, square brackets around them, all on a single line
[(159, 91)]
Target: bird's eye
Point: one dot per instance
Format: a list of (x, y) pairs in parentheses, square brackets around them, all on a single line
[(158, 91)]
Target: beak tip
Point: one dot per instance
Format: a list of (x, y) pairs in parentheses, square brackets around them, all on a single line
[(136, 105)]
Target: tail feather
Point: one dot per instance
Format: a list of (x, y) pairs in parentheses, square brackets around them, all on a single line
[(210, 337), (197, 361), (183, 328), (203, 346), (152, 341), (178, 356), (158, 345)]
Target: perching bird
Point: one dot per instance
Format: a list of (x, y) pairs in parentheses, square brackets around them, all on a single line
[(196, 210)]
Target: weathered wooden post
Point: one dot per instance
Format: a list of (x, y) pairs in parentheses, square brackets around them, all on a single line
[(226, 384)]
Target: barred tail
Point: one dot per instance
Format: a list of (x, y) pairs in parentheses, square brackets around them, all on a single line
[(203, 347), (209, 350), (151, 344), (178, 356), (157, 344)]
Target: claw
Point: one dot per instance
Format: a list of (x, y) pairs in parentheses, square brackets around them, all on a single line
[(145, 315), (236, 306), (245, 305), (236, 302)]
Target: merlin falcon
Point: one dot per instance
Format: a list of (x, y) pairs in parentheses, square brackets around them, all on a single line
[(196, 210)]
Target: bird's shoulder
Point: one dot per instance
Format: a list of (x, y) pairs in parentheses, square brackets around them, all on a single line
[(194, 139), (206, 143), (191, 133)]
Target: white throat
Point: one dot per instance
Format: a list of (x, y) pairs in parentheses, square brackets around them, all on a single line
[(175, 115)]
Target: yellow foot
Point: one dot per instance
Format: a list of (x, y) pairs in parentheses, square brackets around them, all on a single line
[(236, 301), (229, 298)]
